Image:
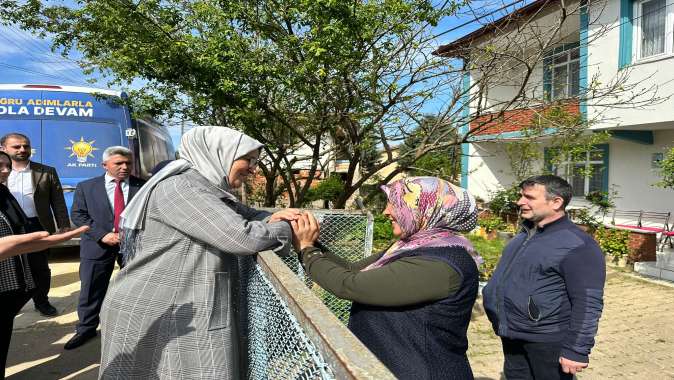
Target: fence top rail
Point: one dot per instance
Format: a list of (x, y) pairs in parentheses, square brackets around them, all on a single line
[(347, 356), (320, 210)]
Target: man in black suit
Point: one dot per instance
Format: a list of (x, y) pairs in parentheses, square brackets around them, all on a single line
[(38, 190), (98, 202)]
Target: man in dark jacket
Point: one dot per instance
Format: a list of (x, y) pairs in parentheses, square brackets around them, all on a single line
[(546, 295), (38, 190), (98, 203)]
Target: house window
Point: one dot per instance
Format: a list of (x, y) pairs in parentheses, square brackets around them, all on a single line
[(565, 69), (562, 72), (654, 24), (585, 171)]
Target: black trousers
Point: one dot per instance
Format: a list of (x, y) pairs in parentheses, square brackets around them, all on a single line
[(39, 267), (11, 303), (95, 277), (532, 361)]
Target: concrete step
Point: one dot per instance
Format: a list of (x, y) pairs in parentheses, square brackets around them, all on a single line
[(665, 259), (653, 269)]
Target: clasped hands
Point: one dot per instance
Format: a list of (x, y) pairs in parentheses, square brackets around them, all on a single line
[(305, 226)]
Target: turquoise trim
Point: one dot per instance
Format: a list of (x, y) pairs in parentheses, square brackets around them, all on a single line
[(639, 137), (582, 75), (626, 27), (547, 76), (547, 160), (509, 135), (465, 152)]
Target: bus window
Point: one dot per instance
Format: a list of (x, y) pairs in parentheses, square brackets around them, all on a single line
[(147, 153)]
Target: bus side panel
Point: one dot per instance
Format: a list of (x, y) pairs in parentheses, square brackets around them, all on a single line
[(30, 128), (76, 149)]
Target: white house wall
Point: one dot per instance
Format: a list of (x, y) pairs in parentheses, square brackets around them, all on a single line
[(503, 86), (489, 169), (630, 169), (603, 53), (629, 162)]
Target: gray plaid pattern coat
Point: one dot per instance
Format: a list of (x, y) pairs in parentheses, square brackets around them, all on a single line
[(171, 312)]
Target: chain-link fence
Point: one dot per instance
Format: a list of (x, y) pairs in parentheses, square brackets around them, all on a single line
[(346, 234), (275, 345)]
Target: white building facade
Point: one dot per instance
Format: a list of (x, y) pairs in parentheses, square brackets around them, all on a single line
[(624, 44)]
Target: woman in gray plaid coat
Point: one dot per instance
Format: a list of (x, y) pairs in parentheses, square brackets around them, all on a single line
[(171, 311)]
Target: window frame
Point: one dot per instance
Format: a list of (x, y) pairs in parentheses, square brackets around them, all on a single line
[(636, 36), (568, 163), (549, 66), (569, 61)]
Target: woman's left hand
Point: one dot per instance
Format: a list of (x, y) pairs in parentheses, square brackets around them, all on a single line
[(33, 242), (305, 231), (287, 215)]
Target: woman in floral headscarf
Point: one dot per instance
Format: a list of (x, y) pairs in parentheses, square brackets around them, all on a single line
[(412, 303)]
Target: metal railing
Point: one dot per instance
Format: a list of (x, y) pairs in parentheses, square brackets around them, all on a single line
[(291, 327)]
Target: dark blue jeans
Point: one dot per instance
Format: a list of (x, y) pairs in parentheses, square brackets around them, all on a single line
[(532, 361)]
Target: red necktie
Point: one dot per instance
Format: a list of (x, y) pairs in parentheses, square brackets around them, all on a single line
[(119, 203)]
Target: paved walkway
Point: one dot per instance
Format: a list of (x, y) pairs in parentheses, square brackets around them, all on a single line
[(36, 351), (635, 341)]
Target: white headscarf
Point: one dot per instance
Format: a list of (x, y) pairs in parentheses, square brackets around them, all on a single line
[(209, 150)]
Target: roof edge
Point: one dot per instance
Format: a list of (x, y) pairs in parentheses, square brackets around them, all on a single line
[(453, 48)]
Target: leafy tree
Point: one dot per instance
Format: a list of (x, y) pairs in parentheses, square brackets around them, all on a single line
[(306, 77), (667, 170), (327, 190), (444, 162)]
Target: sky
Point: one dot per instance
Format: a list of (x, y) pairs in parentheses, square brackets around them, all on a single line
[(26, 58)]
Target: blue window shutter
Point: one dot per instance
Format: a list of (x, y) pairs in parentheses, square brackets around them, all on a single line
[(547, 160), (604, 179), (583, 46), (625, 48), (547, 76)]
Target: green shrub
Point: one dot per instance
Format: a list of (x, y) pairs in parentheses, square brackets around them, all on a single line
[(504, 201), (382, 233), (492, 223), (667, 170), (585, 217), (490, 250), (328, 190), (613, 242)]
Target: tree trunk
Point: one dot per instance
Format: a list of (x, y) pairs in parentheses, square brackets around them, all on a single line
[(270, 191)]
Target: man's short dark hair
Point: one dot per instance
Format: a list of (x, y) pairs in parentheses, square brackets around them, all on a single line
[(555, 186), (15, 135)]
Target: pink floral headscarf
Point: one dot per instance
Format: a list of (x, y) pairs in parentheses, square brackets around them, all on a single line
[(430, 212)]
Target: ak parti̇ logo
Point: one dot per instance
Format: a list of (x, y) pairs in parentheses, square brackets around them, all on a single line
[(82, 149)]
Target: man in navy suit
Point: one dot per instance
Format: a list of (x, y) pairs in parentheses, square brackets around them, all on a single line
[(98, 202)]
